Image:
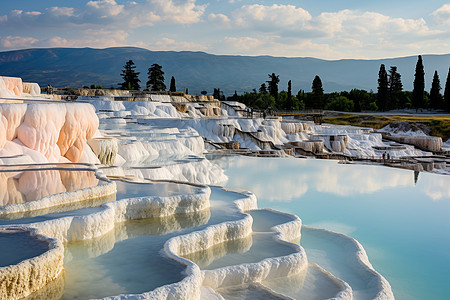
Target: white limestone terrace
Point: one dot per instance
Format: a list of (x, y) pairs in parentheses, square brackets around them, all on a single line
[(14, 88), (359, 142), (48, 137)]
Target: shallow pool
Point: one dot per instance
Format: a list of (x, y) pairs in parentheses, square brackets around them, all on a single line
[(130, 258), (400, 217)]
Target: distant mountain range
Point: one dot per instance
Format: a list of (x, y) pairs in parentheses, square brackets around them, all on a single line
[(197, 71)]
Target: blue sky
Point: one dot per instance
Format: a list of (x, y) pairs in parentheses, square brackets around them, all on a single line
[(328, 29)]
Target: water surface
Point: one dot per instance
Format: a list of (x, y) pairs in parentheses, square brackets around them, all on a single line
[(401, 220)]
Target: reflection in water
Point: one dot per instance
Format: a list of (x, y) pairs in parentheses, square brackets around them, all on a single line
[(126, 260), (264, 220), (313, 284), (249, 250), (338, 254), (29, 186), (127, 189), (206, 257), (251, 291), (287, 179), (403, 226), (54, 211)]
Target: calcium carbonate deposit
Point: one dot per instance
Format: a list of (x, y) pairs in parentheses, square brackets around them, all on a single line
[(97, 176)]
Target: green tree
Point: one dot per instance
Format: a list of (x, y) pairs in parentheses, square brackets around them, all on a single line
[(130, 77), (317, 93), (395, 86), (289, 101), (173, 87), (263, 88), (156, 78), (405, 99), (382, 95), (361, 99), (301, 100), (435, 92), (340, 103), (447, 92), (273, 85), (419, 85)]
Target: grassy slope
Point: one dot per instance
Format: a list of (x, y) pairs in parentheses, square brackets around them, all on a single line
[(439, 125)]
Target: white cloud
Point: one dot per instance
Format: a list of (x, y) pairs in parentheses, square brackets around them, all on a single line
[(33, 13), (171, 44), (109, 13), (277, 46), (243, 44), (17, 42), (105, 8), (182, 12), (61, 11), (442, 14), (91, 38), (280, 30), (270, 18), (219, 18), (287, 30), (368, 24)]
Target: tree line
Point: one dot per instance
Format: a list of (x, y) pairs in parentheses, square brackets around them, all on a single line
[(390, 94), (155, 77)]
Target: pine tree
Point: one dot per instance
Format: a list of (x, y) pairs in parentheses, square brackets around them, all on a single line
[(130, 77), (435, 92), (447, 92), (172, 88), (317, 93), (382, 95), (273, 85), (419, 85), (156, 78), (289, 100), (395, 86)]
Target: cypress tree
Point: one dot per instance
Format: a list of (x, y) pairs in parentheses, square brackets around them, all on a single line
[(273, 85), (317, 93), (172, 88), (419, 85), (435, 92), (382, 95), (289, 102), (130, 77), (447, 92), (395, 86), (156, 78)]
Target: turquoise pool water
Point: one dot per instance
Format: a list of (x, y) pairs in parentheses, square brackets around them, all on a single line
[(402, 223), (130, 258)]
